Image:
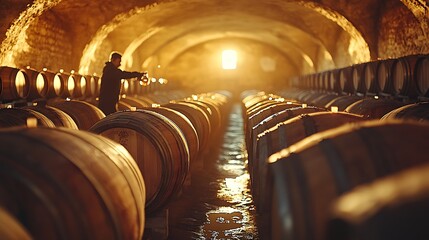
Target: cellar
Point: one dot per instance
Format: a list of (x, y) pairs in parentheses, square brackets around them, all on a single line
[(214, 119)]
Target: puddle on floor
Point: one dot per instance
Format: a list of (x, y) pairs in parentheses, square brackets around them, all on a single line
[(219, 204), (234, 220)]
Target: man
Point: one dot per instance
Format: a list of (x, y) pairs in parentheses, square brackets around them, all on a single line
[(111, 83)]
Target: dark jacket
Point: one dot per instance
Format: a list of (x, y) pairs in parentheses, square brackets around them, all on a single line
[(111, 86)]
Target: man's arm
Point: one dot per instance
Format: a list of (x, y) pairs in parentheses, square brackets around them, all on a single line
[(126, 75)]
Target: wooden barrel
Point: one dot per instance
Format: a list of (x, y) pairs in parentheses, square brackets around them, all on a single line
[(404, 76), (212, 112), (198, 117), (287, 133), (69, 83), (10, 117), (80, 86), (213, 108), (56, 87), (358, 75), (415, 111), (373, 108), (384, 76), (84, 185), (11, 228), (394, 207), (370, 82), (157, 145), (276, 118), (346, 80), (133, 102), (334, 81), (38, 84), (259, 116), (91, 86), (84, 114), (58, 117), (422, 77), (14, 84), (185, 126), (342, 102), (309, 175), (323, 99)]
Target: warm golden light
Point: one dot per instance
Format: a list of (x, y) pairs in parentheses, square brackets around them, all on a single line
[(229, 59)]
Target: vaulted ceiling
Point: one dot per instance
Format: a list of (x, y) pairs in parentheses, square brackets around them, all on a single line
[(182, 39)]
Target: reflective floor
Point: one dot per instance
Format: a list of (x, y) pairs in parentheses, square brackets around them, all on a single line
[(218, 204)]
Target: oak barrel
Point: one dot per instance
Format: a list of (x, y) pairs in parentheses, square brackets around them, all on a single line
[(58, 117), (14, 84), (10, 117), (69, 184), (84, 114), (157, 145), (417, 111), (373, 108), (309, 175), (11, 228), (394, 207)]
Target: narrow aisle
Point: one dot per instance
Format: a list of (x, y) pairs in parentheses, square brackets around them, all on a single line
[(218, 204)]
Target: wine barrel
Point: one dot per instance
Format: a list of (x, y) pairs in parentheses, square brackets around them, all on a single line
[(80, 86), (122, 106), (185, 126), (373, 108), (10, 117), (273, 120), (404, 76), (309, 175), (342, 102), (346, 80), (422, 77), (199, 120), (384, 77), (212, 113), (358, 75), (133, 102), (58, 117), (334, 81), (69, 83), (259, 116), (287, 133), (14, 84), (68, 184), (416, 111), (323, 99), (394, 207), (91, 86), (11, 228), (38, 84), (157, 145), (56, 87), (370, 83), (84, 114)]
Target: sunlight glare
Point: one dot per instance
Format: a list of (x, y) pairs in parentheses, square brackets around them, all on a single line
[(229, 59)]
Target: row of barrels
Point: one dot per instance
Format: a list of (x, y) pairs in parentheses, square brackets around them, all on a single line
[(404, 77), (30, 84), (91, 176), (305, 160)]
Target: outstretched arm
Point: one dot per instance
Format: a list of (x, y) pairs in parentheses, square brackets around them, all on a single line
[(126, 75)]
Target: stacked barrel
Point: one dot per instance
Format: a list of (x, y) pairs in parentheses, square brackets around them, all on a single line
[(166, 140), (88, 175), (309, 147)]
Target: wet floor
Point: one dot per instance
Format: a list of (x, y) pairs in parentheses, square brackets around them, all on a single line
[(218, 203)]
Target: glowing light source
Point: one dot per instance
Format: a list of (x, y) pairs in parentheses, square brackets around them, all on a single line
[(229, 59)]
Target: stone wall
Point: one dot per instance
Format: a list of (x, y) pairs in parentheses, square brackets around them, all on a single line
[(400, 32), (50, 45)]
